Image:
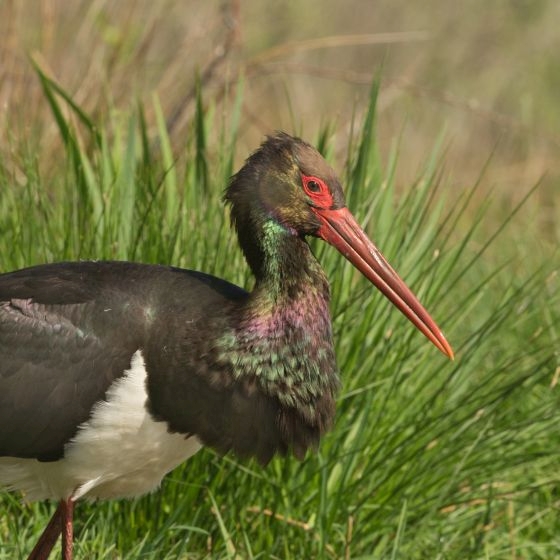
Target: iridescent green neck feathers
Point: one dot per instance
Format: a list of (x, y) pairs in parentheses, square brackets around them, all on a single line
[(282, 337)]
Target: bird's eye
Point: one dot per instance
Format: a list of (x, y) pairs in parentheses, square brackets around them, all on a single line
[(318, 191), (314, 185)]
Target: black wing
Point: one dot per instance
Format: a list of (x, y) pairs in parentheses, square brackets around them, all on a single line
[(59, 352), (68, 330), (51, 373)]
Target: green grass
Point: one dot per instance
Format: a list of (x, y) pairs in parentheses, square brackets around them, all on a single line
[(428, 458)]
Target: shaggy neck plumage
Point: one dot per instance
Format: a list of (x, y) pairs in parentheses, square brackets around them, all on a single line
[(284, 267), (282, 336)]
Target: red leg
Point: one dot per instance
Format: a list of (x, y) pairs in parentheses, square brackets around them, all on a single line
[(67, 524), (48, 538)]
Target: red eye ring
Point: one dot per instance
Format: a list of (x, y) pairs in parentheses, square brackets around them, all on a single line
[(318, 191), (313, 186)]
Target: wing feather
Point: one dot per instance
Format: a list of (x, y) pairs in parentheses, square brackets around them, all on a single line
[(51, 373)]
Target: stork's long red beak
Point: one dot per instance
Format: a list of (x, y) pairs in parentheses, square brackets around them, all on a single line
[(341, 230)]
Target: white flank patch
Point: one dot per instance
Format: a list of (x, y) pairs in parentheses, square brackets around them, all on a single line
[(119, 452)]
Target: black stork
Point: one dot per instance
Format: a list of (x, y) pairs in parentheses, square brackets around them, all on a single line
[(113, 373)]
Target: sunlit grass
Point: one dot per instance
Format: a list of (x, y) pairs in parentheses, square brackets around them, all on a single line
[(428, 458)]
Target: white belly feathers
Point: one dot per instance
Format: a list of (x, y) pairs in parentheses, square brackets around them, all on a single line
[(119, 452)]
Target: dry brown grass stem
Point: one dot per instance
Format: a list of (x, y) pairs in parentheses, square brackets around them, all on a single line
[(279, 517), (336, 41)]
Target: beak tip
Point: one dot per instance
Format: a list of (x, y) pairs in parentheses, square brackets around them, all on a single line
[(446, 348), (341, 230)]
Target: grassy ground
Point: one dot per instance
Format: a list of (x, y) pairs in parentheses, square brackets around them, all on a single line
[(428, 458)]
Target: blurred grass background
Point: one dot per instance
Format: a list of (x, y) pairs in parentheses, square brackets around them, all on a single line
[(125, 153), (488, 73)]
